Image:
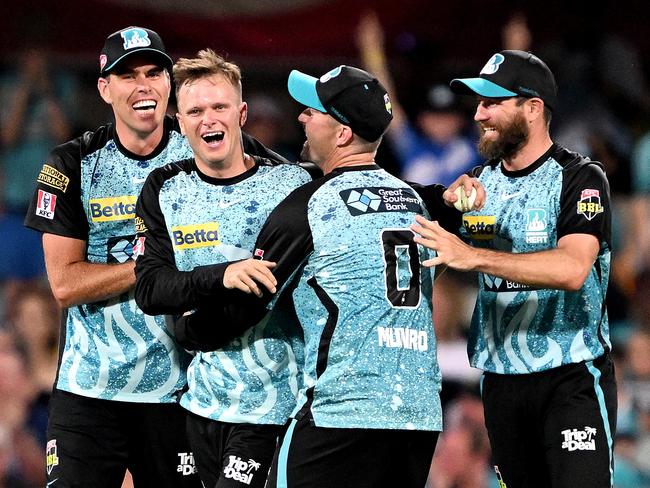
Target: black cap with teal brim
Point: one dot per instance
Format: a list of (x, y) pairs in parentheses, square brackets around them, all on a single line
[(131, 40), (350, 95), (509, 74)]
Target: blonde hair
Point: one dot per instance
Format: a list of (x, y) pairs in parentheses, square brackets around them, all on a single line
[(206, 63)]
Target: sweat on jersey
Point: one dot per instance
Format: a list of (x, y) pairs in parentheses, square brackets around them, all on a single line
[(188, 222), (87, 190), (520, 329), (347, 263)]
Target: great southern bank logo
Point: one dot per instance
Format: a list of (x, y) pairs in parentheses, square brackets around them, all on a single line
[(363, 201)]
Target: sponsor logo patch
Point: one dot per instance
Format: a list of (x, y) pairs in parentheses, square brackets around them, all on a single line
[(241, 471), (138, 248), (140, 228), (186, 464), (579, 440), (589, 204), (195, 235), (45, 204), (536, 226), (52, 459), (361, 201), (258, 254), (120, 249), (492, 283), (53, 177), (112, 208), (480, 227)]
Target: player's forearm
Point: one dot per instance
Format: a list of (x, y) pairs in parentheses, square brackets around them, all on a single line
[(84, 282), (554, 268), (163, 289)]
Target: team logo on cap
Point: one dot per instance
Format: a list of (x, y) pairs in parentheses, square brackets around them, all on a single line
[(331, 74), (102, 61), (493, 64), (135, 38), (387, 104)]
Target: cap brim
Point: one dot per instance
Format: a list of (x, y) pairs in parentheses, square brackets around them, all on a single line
[(155, 53), (481, 87), (302, 88)]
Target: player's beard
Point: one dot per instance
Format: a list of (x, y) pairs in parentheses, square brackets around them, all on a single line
[(304, 152), (510, 140)]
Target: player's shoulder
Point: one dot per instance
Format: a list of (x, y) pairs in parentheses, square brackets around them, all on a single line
[(574, 163), (160, 175)]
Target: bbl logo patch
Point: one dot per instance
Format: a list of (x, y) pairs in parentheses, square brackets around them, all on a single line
[(138, 248), (589, 204), (52, 459)]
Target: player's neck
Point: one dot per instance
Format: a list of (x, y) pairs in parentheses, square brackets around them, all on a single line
[(138, 143), (362, 159), (529, 153), (228, 168)]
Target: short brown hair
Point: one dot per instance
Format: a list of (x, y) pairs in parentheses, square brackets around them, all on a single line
[(206, 63)]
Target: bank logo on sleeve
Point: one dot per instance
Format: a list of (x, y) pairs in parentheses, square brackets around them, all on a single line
[(361, 201), (579, 440), (193, 236), (239, 470), (45, 204), (589, 204), (536, 226), (120, 249)]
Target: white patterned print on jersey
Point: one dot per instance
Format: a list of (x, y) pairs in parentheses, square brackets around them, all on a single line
[(112, 349), (255, 378)]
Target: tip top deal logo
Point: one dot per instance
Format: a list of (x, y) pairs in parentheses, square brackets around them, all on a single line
[(589, 204), (361, 201)]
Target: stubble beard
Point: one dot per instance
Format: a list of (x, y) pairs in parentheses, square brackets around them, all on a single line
[(511, 139)]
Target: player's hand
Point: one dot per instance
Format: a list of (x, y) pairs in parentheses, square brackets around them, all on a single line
[(249, 274), (468, 183), (450, 250)]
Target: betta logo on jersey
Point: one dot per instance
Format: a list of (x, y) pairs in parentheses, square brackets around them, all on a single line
[(112, 208), (361, 201), (53, 177), (45, 205), (195, 235), (480, 227), (589, 204), (135, 38)]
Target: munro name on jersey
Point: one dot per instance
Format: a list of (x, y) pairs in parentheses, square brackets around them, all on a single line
[(361, 201)]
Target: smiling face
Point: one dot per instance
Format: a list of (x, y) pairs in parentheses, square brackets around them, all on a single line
[(503, 127), (211, 113), (138, 92)]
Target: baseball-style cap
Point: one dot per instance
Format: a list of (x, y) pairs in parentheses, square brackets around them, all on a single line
[(352, 96), (510, 74), (123, 43)]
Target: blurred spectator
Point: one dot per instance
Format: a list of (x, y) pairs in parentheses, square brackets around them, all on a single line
[(36, 101), (266, 124), (21, 456), (462, 457), (436, 150)]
